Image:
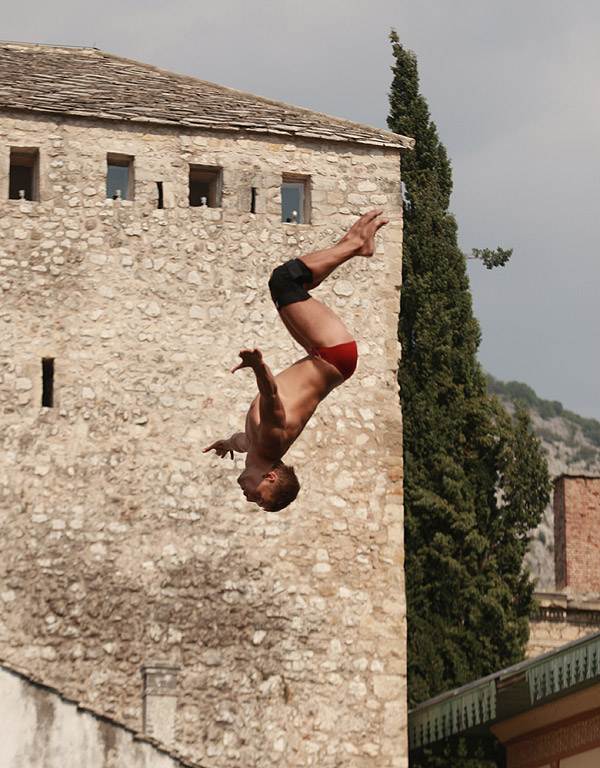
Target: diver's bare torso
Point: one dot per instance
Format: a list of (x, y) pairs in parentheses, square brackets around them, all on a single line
[(301, 388)]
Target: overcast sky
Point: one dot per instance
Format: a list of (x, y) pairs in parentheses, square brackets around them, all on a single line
[(513, 86)]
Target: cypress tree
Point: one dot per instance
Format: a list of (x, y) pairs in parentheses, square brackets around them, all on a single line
[(476, 480)]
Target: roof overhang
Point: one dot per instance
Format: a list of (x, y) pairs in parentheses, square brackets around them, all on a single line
[(478, 708)]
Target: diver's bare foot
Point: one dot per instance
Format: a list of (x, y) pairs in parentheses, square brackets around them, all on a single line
[(361, 235)]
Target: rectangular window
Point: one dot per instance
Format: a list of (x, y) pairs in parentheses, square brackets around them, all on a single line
[(205, 186), (23, 178), (119, 177), (295, 199), (47, 382)]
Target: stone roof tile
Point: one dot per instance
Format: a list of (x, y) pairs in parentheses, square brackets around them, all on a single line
[(88, 82)]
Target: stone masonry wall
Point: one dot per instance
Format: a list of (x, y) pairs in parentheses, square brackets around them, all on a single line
[(121, 543), (577, 533), (552, 629)]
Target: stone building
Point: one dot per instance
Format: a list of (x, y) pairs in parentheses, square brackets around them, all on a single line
[(143, 213), (40, 728), (573, 609)]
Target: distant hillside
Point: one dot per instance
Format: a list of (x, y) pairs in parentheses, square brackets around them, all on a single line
[(572, 444)]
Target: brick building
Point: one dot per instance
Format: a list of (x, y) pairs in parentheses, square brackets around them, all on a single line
[(545, 711), (143, 213), (573, 610), (577, 533)]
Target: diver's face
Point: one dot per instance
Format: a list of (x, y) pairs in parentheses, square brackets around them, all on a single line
[(256, 488)]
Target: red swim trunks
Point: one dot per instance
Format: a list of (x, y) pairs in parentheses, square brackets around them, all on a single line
[(343, 356)]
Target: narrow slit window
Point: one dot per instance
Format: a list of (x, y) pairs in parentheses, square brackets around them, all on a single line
[(253, 200), (295, 199), (119, 177), (161, 200), (23, 175), (205, 186), (47, 382)]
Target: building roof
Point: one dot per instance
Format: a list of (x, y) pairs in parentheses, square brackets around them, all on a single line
[(87, 82), (136, 735), (474, 708), (577, 476)]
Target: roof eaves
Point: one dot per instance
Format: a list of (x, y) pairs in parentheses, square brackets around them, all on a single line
[(558, 671), (461, 710), (480, 703), (208, 124)]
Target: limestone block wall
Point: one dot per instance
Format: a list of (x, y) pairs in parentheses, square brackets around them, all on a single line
[(121, 543), (553, 628)]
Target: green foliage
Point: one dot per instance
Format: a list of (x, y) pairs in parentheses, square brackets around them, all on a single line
[(586, 454), (491, 259), (547, 409), (516, 391), (459, 752), (475, 481), (589, 427), (549, 436)]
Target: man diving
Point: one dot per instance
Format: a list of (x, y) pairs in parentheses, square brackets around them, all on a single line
[(286, 402)]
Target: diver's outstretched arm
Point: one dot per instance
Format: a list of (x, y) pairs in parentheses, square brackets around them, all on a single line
[(237, 442)]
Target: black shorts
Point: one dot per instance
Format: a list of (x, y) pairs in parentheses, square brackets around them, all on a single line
[(287, 283)]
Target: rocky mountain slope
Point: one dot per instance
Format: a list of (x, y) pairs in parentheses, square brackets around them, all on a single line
[(572, 445)]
